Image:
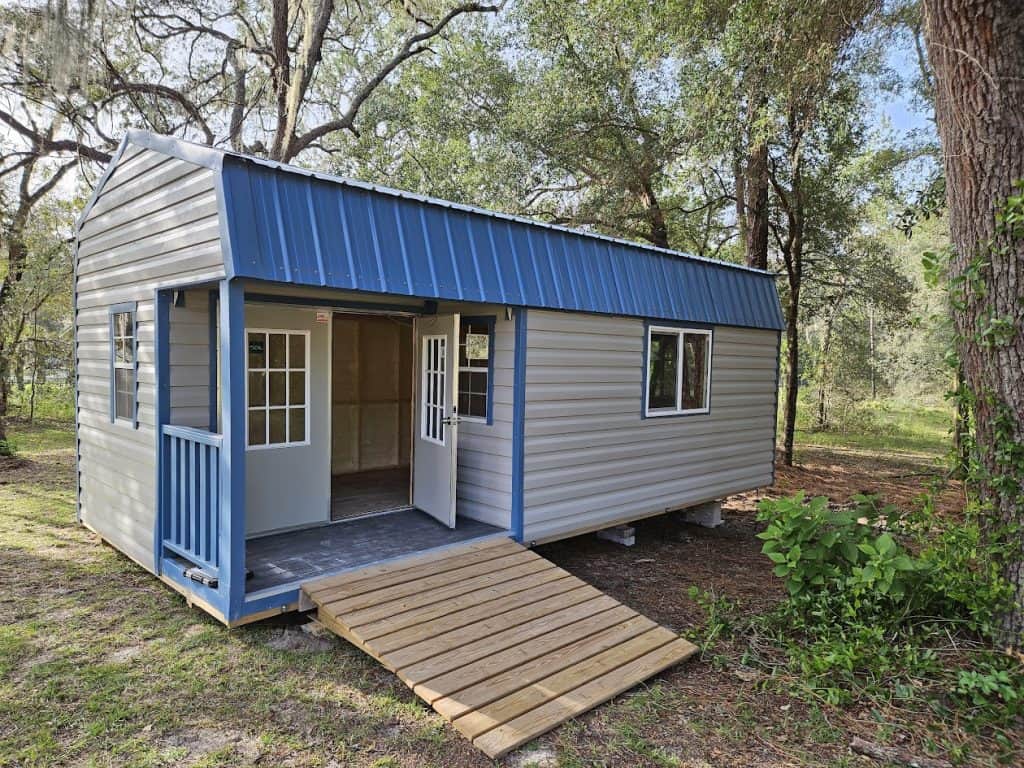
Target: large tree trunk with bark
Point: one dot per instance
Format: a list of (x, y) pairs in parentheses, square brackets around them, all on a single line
[(976, 48), (755, 187)]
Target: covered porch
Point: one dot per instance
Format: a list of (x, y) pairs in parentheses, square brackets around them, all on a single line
[(242, 524)]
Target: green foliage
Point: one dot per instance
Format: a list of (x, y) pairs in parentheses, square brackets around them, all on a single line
[(873, 593)]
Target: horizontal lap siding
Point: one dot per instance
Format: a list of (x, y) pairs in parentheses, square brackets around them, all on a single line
[(590, 458), (154, 224), (190, 361)]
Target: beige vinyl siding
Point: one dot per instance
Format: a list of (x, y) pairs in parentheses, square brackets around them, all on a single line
[(483, 488), (154, 223), (591, 460)]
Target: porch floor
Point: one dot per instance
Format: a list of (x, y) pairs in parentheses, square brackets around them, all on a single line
[(282, 558)]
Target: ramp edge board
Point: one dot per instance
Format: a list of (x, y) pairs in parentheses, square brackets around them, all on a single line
[(502, 643)]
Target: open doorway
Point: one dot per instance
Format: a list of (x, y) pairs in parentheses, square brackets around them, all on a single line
[(371, 401)]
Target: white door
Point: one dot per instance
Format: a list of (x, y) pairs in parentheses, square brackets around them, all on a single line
[(434, 457)]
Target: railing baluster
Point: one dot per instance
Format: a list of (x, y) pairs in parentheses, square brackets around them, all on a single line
[(191, 500), (203, 508)]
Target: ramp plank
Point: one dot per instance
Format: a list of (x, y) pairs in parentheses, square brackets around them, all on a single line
[(500, 641)]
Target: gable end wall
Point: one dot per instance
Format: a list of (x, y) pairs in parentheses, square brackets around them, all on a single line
[(155, 223)]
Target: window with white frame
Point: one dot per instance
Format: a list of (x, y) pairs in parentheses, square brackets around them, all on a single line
[(122, 351), (277, 387), (475, 363), (678, 371)]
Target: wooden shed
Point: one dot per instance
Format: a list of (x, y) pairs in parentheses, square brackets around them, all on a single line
[(285, 377)]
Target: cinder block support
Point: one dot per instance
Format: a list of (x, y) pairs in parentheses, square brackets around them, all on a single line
[(620, 534), (708, 515)]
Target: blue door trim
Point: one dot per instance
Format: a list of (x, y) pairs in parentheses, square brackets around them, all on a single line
[(213, 360), (518, 422)]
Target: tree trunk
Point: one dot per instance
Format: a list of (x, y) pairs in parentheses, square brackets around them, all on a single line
[(976, 48), (792, 377), (826, 347), (756, 191)]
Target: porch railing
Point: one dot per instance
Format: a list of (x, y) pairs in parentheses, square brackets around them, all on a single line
[(191, 466)]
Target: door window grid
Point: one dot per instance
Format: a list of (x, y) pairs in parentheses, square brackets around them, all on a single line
[(277, 388), (434, 363)]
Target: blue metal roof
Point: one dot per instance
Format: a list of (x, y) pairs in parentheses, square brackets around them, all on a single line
[(290, 225)]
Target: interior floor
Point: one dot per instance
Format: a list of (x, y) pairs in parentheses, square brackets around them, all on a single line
[(374, 490), (282, 558)]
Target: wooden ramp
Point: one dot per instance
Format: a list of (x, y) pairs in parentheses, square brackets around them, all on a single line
[(500, 641)]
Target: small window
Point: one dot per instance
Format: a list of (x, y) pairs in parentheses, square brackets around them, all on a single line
[(678, 371), (476, 339), (277, 388), (123, 355)]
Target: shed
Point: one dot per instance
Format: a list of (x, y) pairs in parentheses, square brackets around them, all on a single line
[(283, 375)]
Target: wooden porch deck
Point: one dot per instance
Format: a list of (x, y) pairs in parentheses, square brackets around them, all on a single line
[(500, 641)]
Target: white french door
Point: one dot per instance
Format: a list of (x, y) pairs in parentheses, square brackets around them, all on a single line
[(434, 462)]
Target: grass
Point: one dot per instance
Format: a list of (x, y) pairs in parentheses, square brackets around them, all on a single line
[(881, 426), (101, 664)]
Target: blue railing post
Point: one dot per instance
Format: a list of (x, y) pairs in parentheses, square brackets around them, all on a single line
[(232, 456)]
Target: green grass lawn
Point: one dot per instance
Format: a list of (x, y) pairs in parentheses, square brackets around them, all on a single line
[(885, 426)]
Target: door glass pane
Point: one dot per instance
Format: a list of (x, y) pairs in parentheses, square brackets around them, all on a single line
[(296, 351), (277, 430), (257, 427), (257, 388), (297, 388), (661, 370), (257, 350), (276, 354), (277, 388), (296, 425)]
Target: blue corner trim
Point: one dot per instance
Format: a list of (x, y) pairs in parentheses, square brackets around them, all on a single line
[(775, 411), (232, 537), (519, 423), (212, 342), (489, 321), (162, 356), (643, 371)]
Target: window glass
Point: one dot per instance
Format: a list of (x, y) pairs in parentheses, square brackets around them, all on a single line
[(474, 366), (678, 361), (661, 370), (123, 354), (277, 379), (695, 356)]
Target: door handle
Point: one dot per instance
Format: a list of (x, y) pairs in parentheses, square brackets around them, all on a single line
[(451, 421)]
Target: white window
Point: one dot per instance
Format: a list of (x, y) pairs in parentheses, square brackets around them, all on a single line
[(435, 352), (475, 364), (122, 351), (277, 387), (678, 375)]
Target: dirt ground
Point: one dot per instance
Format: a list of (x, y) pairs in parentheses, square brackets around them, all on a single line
[(259, 695)]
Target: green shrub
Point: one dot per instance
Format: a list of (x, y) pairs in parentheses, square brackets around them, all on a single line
[(872, 596)]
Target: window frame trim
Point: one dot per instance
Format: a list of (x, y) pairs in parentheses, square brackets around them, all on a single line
[(679, 330), (307, 406), (490, 321), (118, 309)]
